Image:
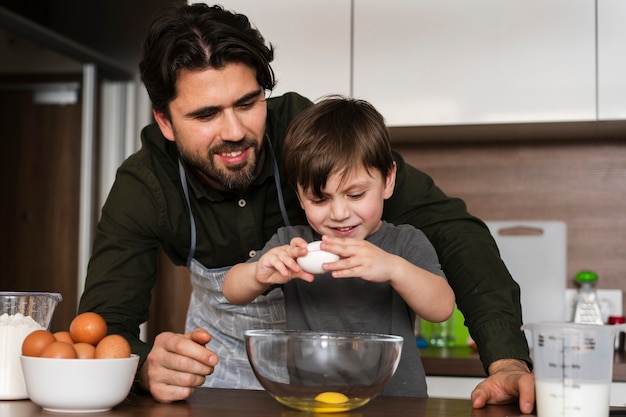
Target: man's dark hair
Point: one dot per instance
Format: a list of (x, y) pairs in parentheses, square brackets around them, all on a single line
[(196, 37)]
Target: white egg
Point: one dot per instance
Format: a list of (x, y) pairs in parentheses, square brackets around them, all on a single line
[(313, 260)]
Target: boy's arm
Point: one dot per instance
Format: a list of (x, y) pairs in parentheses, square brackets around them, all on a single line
[(244, 282), (428, 294), (240, 284)]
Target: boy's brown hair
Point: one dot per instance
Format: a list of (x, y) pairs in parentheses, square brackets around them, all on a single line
[(335, 135)]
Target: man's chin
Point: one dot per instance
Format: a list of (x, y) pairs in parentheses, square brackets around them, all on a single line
[(236, 184)]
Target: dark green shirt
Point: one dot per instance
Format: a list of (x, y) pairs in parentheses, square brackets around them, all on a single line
[(146, 209)]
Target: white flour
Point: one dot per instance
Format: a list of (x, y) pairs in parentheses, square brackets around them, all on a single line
[(13, 331)]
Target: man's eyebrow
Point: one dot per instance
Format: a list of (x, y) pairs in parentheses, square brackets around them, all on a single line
[(213, 109), (251, 95)]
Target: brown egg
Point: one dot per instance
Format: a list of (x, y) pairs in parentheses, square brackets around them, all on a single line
[(88, 327), (58, 349), (64, 337), (113, 346), (36, 342), (85, 350)]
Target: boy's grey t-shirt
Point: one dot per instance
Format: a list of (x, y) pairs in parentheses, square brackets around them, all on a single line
[(356, 305)]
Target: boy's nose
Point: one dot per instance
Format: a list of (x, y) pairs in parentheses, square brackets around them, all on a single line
[(339, 210)]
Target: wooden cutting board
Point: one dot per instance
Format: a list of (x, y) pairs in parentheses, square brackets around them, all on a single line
[(535, 252)]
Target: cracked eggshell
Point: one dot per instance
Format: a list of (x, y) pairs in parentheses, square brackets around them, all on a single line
[(313, 260)]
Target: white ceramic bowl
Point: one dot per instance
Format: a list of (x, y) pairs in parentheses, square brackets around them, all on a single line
[(78, 385), (322, 372)]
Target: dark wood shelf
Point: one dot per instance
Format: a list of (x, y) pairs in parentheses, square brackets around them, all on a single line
[(463, 361), (452, 361), (513, 133)]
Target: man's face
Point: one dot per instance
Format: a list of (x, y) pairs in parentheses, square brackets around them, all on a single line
[(218, 121)]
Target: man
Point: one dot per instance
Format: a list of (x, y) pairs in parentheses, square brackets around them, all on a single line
[(207, 188)]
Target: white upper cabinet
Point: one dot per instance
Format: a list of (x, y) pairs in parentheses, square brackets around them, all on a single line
[(311, 39), (440, 62), (611, 59)]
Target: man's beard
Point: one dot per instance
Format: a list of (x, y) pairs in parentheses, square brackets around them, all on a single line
[(233, 178)]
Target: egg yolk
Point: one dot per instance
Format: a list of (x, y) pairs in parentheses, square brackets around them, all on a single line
[(331, 398)]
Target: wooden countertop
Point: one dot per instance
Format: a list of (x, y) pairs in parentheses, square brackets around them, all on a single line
[(464, 361), (206, 402)]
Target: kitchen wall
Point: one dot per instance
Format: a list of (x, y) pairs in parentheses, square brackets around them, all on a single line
[(582, 183)]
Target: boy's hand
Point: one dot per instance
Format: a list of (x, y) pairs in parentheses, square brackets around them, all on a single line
[(359, 258), (279, 265)]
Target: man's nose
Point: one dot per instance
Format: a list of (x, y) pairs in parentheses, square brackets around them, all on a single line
[(232, 128)]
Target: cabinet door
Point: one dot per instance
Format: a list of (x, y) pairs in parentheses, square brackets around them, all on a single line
[(311, 40), (424, 62), (611, 59), (40, 181)]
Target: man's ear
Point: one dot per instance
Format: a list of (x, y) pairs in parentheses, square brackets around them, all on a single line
[(390, 182), (164, 124)]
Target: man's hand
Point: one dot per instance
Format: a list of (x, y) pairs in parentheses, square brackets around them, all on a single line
[(177, 364), (509, 380)]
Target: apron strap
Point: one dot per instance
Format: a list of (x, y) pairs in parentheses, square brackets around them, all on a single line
[(281, 199), (183, 180)]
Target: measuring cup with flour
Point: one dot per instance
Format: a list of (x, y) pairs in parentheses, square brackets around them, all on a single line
[(573, 367), (20, 314)]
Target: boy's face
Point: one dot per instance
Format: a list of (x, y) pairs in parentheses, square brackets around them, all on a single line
[(351, 204)]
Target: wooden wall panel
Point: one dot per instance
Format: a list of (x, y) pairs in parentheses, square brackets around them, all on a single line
[(580, 183)]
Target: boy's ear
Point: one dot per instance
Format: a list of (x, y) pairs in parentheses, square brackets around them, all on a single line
[(164, 124), (390, 182)]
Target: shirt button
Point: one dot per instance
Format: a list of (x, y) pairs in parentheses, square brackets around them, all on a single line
[(242, 203), (252, 253)]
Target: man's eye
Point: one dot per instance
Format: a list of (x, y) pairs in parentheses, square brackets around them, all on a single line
[(318, 200), (248, 104), (356, 196), (206, 116)]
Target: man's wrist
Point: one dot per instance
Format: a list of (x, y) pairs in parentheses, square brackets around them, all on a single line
[(508, 365), (140, 384)]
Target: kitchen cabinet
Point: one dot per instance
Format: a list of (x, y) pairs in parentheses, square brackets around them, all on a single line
[(461, 388), (439, 62), (311, 39), (611, 59), (49, 91), (454, 372), (40, 182), (453, 62)]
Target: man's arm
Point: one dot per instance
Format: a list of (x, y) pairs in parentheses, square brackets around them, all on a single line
[(122, 269), (485, 291)]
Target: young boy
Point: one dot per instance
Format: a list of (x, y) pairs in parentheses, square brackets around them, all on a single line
[(338, 158)]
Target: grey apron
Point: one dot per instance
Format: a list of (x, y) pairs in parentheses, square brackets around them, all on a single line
[(209, 309)]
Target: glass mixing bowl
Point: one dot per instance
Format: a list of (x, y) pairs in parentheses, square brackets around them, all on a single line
[(322, 372)]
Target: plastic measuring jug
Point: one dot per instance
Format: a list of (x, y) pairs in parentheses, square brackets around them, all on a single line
[(20, 314), (573, 367)]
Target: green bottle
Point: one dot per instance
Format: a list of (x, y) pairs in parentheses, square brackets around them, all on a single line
[(586, 307)]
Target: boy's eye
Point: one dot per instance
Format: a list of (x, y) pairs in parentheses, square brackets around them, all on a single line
[(356, 196), (320, 200)]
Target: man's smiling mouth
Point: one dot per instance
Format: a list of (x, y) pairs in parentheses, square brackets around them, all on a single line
[(231, 154)]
